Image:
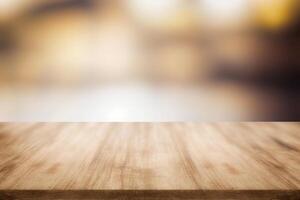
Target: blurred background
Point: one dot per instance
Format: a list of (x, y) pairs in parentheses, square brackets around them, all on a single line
[(149, 60)]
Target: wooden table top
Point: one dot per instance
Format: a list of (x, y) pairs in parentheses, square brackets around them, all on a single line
[(150, 156)]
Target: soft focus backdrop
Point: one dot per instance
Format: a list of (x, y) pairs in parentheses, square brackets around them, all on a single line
[(149, 60)]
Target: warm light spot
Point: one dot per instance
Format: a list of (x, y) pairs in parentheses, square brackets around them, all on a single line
[(152, 11), (9, 8), (224, 11), (182, 21), (275, 14)]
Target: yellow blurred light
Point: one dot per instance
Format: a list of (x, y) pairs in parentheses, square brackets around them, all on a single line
[(152, 11), (183, 21), (275, 14), (173, 16)]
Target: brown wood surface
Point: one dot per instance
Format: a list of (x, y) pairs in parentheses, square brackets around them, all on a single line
[(210, 159)]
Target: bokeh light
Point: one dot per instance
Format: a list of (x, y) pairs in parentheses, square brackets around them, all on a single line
[(149, 60)]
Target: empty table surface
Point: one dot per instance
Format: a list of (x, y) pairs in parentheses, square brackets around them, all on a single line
[(150, 156)]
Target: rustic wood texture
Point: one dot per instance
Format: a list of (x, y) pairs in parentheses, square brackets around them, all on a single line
[(150, 156)]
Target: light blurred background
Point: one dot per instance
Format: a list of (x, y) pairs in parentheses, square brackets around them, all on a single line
[(149, 60)]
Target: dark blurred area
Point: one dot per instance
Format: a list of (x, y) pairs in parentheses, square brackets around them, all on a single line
[(145, 60)]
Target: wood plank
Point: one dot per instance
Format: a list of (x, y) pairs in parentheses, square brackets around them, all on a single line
[(216, 158), (152, 194)]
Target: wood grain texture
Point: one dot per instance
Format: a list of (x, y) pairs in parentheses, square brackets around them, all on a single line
[(151, 194), (149, 156)]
